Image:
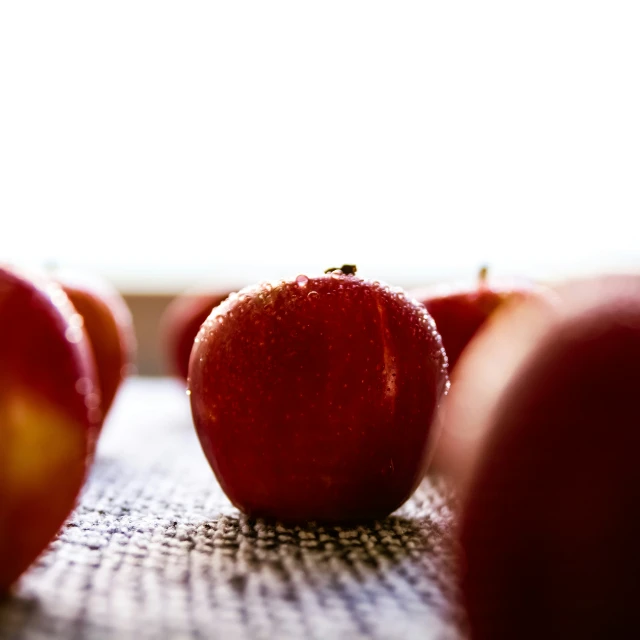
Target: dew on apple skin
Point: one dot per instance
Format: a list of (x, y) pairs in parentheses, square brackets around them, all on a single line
[(302, 281), (312, 295), (73, 334), (84, 385), (92, 401), (76, 320), (58, 297)]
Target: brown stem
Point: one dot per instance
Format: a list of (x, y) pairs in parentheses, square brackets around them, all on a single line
[(482, 275), (347, 269)]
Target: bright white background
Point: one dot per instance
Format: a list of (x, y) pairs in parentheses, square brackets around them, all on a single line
[(163, 142)]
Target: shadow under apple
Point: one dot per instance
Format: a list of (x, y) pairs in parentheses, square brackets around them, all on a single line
[(141, 547)]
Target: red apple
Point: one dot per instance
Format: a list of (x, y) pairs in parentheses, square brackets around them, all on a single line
[(180, 324), (109, 326), (512, 327), (314, 398), (549, 477), (460, 311), (49, 416)]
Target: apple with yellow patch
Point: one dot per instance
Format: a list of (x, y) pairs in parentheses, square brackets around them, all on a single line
[(49, 416)]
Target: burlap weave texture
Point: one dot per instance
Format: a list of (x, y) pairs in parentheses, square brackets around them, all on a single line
[(155, 550)]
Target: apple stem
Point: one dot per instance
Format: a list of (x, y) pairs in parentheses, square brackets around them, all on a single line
[(482, 275), (347, 269)]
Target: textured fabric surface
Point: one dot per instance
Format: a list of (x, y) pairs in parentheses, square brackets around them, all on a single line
[(155, 550)]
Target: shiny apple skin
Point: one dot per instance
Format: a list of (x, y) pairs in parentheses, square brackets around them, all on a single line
[(180, 324), (109, 326), (314, 398), (49, 416), (460, 312), (550, 517)]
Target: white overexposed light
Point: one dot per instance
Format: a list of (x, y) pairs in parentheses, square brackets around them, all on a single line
[(161, 143)]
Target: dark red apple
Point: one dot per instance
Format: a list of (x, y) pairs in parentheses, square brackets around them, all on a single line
[(550, 479), (460, 310), (180, 324), (108, 324), (314, 398), (512, 329), (49, 416)]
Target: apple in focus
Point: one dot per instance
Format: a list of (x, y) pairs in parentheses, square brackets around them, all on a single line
[(49, 416), (314, 398)]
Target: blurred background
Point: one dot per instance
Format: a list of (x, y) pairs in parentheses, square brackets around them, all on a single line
[(162, 144)]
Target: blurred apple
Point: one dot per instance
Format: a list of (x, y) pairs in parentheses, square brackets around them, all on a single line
[(49, 416), (460, 310), (548, 468), (180, 324), (495, 351), (109, 326)]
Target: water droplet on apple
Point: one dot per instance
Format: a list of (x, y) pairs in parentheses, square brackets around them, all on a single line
[(188, 392), (76, 320), (312, 295), (92, 401), (58, 297), (73, 334), (84, 385), (302, 281)]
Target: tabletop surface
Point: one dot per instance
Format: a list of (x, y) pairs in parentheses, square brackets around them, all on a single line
[(155, 550)]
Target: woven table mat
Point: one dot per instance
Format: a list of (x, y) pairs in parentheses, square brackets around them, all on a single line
[(155, 550)]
